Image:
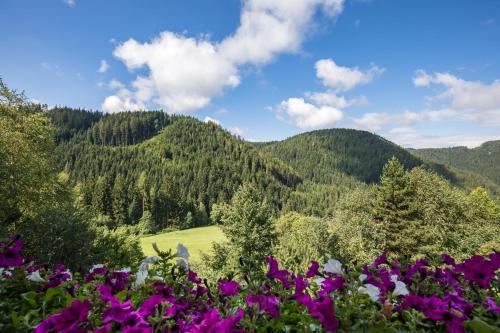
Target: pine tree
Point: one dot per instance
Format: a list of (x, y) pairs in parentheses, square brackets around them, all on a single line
[(120, 200), (101, 197), (246, 222), (394, 209)]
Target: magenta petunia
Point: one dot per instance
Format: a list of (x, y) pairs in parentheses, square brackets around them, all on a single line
[(268, 304), (149, 306), (228, 288), (322, 308), (10, 254), (313, 269), (491, 304), (275, 273), (329, 284), (477, 270), (447, 259), (193, 277), (69, 320)]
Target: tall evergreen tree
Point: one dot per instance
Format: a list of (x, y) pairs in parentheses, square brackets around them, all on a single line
[(246, 222), (120, 200), (394, 209)]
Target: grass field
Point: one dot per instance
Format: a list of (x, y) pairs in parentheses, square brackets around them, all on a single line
[(196, 240)]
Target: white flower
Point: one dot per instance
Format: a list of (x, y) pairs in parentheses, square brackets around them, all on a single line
[(150, 260), (362, 277), (181, 262), (124, 270), (182, 251), (319, 281), (371, 291), (35, 277), (140, 277), (400, 289), (69, 273), (95, 267), (333, 266)]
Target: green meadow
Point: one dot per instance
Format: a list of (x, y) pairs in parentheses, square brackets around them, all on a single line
[(196, 240)]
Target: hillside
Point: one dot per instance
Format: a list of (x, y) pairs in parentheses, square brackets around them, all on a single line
[(170, 170), (483, 160), (322, 156), (348, 156), (173, 167)]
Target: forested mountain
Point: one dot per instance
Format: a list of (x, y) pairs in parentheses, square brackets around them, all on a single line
[(338, 155), (483, 160), (163, 171), (160, 171), (324, 155)]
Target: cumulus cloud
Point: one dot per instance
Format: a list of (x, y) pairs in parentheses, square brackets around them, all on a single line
[(421, 78), (103, 68), (122, 100), (307, 115), (185, 73), (464, 101), (324, 109), (468, 100), (410, 138), (341, 78)]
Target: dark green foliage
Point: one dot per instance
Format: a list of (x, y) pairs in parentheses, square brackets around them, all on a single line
[(324, 156), (246, 223), (483, 160), (178, 172), (395, 209), (302, 239), (37, 203), (71, 121)]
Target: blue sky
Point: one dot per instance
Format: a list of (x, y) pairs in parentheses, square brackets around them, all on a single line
[(421, 73)]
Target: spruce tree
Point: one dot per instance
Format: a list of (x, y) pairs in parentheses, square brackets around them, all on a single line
[(395, 211), (120, 200), (246, 222)]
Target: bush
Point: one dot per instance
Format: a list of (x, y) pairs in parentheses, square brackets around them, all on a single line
[(301, 239)]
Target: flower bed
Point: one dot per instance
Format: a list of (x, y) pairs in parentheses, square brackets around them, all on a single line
[(164, 295)]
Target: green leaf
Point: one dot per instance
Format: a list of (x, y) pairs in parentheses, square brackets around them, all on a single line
[(479, 326)]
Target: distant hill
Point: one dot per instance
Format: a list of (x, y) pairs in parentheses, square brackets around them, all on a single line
[(320, 155), (329, 156), (483, 160)]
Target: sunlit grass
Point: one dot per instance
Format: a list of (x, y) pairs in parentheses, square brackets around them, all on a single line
[(196, 240)]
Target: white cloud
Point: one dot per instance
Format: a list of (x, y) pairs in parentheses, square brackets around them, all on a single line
[(70, 3), (468, 100), (237, 130), (464, 101), (307, 115), (185, 73), (103, 68), (410, 138), (341, 78), (421, 78), (123, 100), (211, 120), (375, 121), (332, 99), (324, 109), (115, 84)]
